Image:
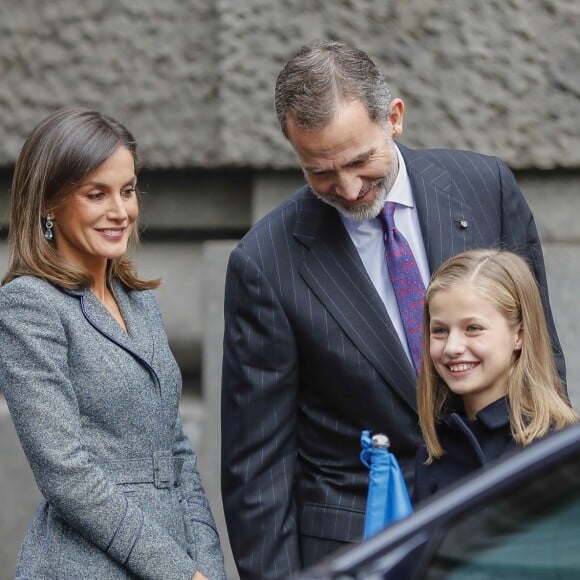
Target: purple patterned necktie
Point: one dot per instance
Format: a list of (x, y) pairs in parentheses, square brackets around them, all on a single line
[(406, 280)]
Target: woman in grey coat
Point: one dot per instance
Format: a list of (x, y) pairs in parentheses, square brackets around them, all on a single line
[(85, 367)]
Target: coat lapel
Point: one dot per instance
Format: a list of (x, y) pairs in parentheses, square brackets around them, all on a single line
[(138, 339), (335, 273)]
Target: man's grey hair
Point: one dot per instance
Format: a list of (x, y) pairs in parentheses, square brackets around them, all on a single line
[(321, 76)]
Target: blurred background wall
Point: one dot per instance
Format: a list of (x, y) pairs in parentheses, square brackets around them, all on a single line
[(193, 80)]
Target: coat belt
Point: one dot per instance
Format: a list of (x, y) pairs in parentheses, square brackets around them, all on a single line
[(161, 468)]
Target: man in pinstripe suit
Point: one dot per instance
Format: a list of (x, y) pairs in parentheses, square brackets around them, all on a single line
[(314, 349)]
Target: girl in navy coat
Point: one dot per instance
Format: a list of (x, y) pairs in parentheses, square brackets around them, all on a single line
[(488, 382)]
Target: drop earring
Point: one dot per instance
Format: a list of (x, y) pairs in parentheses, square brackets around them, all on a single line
[(48, 228)]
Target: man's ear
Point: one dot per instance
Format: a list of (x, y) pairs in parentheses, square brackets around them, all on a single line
[(396, 113)]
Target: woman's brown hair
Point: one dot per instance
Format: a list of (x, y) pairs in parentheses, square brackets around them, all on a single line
[(59, 154)]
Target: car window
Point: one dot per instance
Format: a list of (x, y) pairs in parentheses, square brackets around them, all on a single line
[(533, 532)]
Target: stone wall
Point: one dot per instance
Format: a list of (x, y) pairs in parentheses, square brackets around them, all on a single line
[(194, 79)]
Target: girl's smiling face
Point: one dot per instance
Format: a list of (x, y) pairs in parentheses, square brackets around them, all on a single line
[(472, 345)]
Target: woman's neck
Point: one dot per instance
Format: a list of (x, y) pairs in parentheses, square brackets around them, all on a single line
[(101, 289), (105, 295)]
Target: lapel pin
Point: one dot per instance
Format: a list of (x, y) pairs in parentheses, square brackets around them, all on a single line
[(462, 223)]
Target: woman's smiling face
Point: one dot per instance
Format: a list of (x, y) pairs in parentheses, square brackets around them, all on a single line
[(94, 221)]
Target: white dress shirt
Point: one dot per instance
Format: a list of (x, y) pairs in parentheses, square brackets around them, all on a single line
[(367, 236)]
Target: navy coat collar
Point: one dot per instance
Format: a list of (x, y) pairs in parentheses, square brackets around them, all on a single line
[(495, 416), (484, 439)]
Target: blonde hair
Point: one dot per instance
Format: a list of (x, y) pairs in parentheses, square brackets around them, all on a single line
[(537, 401), (59, 153)]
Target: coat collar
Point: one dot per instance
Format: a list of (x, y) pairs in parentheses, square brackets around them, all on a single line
[(138, 339), (495, 416), (487, 437)]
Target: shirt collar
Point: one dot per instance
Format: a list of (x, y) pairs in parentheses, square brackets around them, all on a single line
[(401, 191)]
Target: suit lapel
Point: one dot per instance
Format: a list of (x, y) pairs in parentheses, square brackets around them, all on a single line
[(444, 215), (335, 273)]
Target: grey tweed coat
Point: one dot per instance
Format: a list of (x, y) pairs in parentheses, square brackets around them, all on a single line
[(96, 412)]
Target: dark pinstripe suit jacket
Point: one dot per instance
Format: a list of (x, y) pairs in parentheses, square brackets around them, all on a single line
[(311, 358)]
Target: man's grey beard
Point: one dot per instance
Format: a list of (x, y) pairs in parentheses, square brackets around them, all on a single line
[(363, 211)]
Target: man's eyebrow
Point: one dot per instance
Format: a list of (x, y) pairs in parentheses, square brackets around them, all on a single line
[(361, 157), (315, 169)]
